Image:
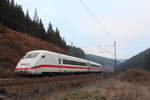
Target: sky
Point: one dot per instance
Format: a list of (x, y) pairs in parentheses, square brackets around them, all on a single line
[(125, 21)]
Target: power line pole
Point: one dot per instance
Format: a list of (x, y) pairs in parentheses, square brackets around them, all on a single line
[(114, 54), (115, 58)]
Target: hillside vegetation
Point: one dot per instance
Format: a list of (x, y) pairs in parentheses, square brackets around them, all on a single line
[(77, 52), (141, 60)]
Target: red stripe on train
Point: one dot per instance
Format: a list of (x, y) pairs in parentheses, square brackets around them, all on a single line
[(58, 66)]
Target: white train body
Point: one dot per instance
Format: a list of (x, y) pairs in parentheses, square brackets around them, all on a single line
[(42, 61)]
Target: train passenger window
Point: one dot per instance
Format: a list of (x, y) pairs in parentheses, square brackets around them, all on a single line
[(70, 62), (43, 56)]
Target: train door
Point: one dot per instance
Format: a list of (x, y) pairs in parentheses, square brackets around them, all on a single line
[(89, 65), (59, 63), (53, 60), (42, 61)]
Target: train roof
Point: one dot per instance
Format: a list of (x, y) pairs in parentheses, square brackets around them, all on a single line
[(40, 51), (75, 58)]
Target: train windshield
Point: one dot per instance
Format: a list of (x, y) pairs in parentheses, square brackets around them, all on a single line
[(30, 55)]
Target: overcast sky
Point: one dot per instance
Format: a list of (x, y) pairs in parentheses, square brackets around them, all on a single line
[(127, 21)]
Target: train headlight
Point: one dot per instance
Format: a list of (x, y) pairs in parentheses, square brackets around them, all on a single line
[(25, 64)]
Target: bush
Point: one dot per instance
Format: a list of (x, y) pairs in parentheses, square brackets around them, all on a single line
[(2, 90), (116, 90), (2, 29)]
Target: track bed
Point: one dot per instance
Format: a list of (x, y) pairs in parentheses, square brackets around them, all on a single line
[(26, 86)]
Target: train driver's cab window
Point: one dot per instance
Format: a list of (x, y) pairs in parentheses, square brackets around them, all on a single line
[(30, 55), (70, 62), (93, 65)]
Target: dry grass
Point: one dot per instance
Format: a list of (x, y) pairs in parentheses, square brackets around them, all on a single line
[(7, 73), (2, 28), (135, 75), (126, 86), (115, 91)]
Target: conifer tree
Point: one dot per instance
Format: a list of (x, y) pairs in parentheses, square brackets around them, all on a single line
[(12, 2), (50, 33), (42, 30), (12, 16), (36, 17)]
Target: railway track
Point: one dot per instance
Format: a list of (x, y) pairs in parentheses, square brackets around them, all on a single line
[(58, 78)]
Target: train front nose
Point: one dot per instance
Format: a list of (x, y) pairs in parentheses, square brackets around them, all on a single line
[(23, 67), (26, 63)]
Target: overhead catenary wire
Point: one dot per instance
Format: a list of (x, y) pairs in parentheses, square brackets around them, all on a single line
[(106, 51), (104, 29), (100, 24), (96, 19)]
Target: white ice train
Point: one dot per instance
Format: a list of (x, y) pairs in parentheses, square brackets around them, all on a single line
[(42, 61)]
